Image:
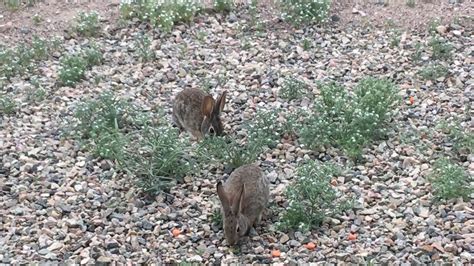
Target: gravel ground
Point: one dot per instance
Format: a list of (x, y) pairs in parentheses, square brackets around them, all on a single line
[(58, 203)]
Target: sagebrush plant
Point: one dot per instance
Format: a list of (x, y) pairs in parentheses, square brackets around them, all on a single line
[(450, 180), (162, 14), (87, 24), (158, 159), (305, 11), (143, 48), (441, 49), (433, 72), (311, 197), (293, 88), (350, 121), (7, 105)]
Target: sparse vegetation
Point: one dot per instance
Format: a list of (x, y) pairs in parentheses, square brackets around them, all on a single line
[(311, 198), (450, 180), (162, 14)]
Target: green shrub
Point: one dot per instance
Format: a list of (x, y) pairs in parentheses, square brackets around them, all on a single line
[(107, 112), (350, 121), (433, 72), (440, 49), (73, 67), (416, 56), (450, 181), (7, 105), (143, 48), (158, 159), (305, 11), (410, 3), (263, 132), (87, 24), (37, 19), (395, 38), (162, 14), (311, 198), (293, 89), (223, 5), (463, 140)]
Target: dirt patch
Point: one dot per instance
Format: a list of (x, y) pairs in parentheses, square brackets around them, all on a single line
[(55, 17)]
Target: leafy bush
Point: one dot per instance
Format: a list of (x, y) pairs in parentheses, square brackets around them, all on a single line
[(463, 140), (163, 14), (305, 11), (311, 197), (441, 49), (7, 105), (450, 181), (87, 24), (350, 121), (293, 89), (433, 72)]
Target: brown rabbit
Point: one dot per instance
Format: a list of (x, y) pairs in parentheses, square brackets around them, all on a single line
[(198, 113), (243, 196)]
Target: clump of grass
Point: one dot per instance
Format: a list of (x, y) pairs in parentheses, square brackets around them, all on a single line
[(463, 140), (350, 121), (416, 56), (162, 14), (450, 180), (306, 44), (441, 50), (7, 105), (37, 93), (395, 38), (37, 19), (433, 72), (433, 24), (305, 11), (311, 198), (87, 24), (293, 89)]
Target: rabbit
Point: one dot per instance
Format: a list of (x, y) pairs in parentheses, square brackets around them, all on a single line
[(243, 196), (198, 113)]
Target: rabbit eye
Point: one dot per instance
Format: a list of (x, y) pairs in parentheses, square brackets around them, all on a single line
[(238, 229)]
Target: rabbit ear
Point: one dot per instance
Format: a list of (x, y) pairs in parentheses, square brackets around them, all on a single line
[(223, 197), (238, 201), (221, 101), (207, 105)]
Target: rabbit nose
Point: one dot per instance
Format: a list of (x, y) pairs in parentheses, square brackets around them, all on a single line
[(211, 131)]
